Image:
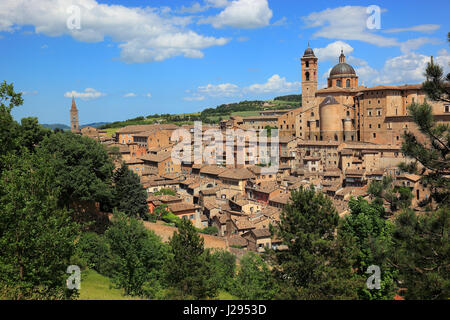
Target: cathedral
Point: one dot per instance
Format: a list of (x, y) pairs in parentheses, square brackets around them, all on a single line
[(346, 111)]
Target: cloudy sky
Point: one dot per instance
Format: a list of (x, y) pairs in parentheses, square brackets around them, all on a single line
[(121, 59)]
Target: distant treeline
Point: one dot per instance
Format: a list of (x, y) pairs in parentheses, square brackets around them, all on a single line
[(227, 109), (292, 98)]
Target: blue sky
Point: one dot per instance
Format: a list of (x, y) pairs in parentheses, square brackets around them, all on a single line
[(133, 58)]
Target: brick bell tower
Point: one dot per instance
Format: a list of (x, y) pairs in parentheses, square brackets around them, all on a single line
[(309, 78), (74, 127)]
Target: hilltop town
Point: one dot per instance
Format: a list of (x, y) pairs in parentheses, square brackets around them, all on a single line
[(338, 141)]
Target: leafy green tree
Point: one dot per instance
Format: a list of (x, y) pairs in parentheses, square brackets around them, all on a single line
[(318, 262), (373, 237), (188, 270), (32, 133), (384, 190), (95, 250), (224, 268), (83, 165), (36, 236), (9, 128), (254, 280), (422, 253), (137, 256), (129, 196)]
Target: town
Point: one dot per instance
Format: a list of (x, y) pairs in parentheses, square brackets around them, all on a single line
[(341, 138)]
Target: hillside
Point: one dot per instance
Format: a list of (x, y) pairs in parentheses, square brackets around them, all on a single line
[(212, 115)]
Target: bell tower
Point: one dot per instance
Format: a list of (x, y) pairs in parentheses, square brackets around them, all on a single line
[(309, 78), (74, 127)]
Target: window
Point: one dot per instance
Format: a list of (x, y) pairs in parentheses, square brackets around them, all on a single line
[(374, 135), (348, 83), (307, 76), (339, 83), (348, 113), (447, 108), (379, 126), (307, 64)]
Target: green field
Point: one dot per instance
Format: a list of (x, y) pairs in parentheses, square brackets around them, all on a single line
[(94, 286)]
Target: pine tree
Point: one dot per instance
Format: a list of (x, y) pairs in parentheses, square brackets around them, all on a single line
[(318, 262), (189, 269), (129, 196)]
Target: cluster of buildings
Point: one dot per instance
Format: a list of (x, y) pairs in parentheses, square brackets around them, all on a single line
[(340, 139)]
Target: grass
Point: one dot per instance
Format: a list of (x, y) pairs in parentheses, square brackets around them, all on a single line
[(224, 295), (94, 286)]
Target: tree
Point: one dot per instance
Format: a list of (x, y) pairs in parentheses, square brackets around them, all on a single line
[(188, 269), (422, 253), (32, 133), (372, 234), (223, 264), (318, 262), (36, 236), (397, 197), (437, 85), (83, 165), (96, 252), (137, 256), (434, 153), (129, 196), (8, 127), (254, 280)]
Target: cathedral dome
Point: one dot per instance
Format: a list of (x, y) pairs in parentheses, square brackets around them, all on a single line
[(342, 69)]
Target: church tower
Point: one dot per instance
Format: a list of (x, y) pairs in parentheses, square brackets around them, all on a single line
[(74, 117), (309, 78)]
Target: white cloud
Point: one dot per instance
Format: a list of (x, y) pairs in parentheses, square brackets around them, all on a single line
[(243, 39), (220, 90), (44, 46), (410, 68), (88, 94), (414, 44), (130, 95), (244, 14), (281, 22), (145, 34), (194, 98), (332, 51), (426, 28), (274, 84), (148, 95), (347, 23), (31, 93)]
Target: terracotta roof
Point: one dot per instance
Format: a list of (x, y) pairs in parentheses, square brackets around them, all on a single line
[(242, 224), (282, 198), (157, 157), (182, 206), (213, 170), (237, 174), (261, 233), (354, 172)]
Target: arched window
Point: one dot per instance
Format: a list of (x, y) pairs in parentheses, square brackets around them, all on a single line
[(348, 83), (307, 64), (307, 76), (339, 83)]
